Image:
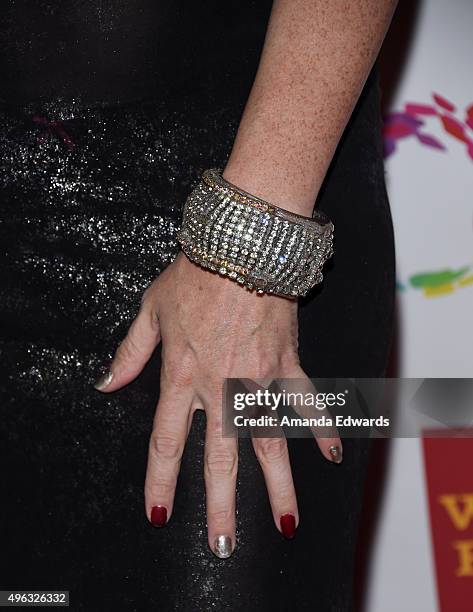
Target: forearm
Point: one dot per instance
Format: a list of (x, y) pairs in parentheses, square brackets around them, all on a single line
[(315, 61)]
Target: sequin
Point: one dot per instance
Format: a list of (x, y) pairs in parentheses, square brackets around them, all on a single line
[(91, 198), (91, 202)]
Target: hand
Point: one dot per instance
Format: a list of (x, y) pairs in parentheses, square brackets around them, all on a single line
[(211, 328)]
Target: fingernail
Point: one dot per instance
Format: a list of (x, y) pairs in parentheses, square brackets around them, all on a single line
[(336, 454), (102, 383), (223, 547), (159, 515), (288, 526)]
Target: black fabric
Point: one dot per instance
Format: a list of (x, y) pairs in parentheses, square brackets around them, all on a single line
[(127, 49), (91, 195)]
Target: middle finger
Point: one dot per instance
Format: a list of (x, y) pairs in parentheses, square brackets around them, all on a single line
[(220, 471)]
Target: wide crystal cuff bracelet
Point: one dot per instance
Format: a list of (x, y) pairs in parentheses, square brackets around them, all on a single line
[(253, 242)]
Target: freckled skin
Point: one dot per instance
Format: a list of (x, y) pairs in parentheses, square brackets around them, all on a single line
[(315, 61)]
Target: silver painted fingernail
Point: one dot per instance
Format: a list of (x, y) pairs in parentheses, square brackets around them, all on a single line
[(336, 454), (223, 547), (102, 383)]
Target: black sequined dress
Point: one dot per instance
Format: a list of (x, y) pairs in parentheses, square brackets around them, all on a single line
[(110, 110)]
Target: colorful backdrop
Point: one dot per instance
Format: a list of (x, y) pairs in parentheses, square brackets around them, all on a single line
[(422, 553)]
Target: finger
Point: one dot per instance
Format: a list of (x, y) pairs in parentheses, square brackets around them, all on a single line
[(273, 456), (220, 471), (327, 438), (170, 430), (135, 350)]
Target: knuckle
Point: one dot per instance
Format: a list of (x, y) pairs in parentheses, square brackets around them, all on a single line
[(220, 518), (166, 446), (181, 377), (214, 415), (221, 463), (289, 362), (266, 370), (286, 494), (159, 488), (179, 372), (263, 369), (128, 349), (271, 450)]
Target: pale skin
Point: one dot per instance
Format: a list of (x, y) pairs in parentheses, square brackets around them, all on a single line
[(316, 58)]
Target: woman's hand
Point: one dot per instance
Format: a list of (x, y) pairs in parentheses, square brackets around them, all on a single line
[(211, 329), (316, 58)]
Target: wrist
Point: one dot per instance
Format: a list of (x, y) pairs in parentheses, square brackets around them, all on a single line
[(270, 183), (252, 241), (202, 282)]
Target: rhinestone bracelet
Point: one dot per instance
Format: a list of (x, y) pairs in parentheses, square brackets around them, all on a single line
[(253, 242)]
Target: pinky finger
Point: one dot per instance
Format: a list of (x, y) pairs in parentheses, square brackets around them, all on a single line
[(327, 438)]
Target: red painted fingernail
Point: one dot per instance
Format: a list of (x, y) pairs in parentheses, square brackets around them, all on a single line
[(288, 525), (159, 515)]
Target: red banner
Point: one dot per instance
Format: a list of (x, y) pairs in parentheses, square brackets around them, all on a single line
[(449, 476)]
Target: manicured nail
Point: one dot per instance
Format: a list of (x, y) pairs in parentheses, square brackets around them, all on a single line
[(102, 383), (336, 454), (159, 515), (223, 547), (288, 526)]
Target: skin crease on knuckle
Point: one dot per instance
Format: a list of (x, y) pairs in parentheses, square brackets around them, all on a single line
[(271, 450), (220, 519), (221, 462), (166, 446), (129, 348), (158, 489), (178, 367)]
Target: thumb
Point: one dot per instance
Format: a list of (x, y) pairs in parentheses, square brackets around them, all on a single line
[(134, 351)]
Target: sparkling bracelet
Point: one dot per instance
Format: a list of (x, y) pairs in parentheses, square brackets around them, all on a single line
[(253, 242)]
